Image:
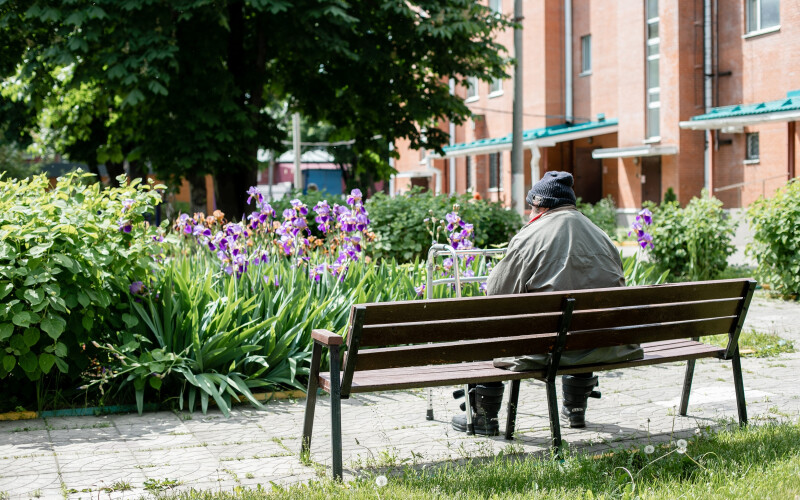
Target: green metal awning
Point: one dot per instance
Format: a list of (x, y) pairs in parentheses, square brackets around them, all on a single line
[(733, 118), (541, 137)]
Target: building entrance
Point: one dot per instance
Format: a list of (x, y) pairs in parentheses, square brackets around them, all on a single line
[(651, 179), (588, 173)]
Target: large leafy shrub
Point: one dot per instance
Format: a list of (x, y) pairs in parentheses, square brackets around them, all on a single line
[(401, 230), (603, 214), (692, 243), (68, 254), (776, 239), (204, 332)]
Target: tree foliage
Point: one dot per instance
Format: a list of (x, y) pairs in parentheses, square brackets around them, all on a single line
[(186, 85)]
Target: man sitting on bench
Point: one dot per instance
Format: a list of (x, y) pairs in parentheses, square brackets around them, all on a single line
[(559, 249)]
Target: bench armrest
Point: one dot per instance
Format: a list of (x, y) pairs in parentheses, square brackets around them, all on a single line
[(326, 337)]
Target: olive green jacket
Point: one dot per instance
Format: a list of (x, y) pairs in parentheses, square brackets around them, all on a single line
[(561, 250)]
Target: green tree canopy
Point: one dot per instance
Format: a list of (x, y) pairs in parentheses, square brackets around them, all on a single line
[(186, 85)]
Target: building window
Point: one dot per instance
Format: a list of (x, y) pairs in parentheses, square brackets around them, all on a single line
[(495, 172), (653, 128), (496, 6), (496, 87), (751, 150), (469, 173), (586, 54), (762, 14), (472, 87)]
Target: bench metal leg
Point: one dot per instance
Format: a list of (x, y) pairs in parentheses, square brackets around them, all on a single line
[(311, 399), (739, 385), (687, 387), (336, 415), (555, 425), (511, 420)]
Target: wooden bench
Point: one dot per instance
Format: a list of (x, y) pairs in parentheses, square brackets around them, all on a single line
[(426, 343)]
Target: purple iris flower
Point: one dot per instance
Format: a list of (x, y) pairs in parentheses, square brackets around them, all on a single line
[(137, 288), (355, 195), (125, 226), (420, 290), (255, 195), (299, 206)]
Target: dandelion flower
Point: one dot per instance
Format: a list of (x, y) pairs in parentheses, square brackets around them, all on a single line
[(697, 431), (649, 449), (381, 481), (681, 445)]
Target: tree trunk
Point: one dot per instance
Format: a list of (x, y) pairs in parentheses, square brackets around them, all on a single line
[(232, 189), (198, 193)]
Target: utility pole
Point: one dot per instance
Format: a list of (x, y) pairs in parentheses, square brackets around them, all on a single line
[(517, 154), (298, 174)]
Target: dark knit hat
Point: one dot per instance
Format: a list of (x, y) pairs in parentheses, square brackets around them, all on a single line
[(553, 190)]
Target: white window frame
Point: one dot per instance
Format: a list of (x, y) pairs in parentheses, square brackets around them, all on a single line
[(586, 55), (470, 173), (499, 186), (749, 157), (496, 87), (496, 6), (472, 89), (755, 27), (651, 103)]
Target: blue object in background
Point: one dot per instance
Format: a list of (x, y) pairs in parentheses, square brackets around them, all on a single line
[(328, 180)]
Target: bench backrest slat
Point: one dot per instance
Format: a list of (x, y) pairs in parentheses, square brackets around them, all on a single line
[(452, 352), (458, 329), (606, 337), (661, 313), (511, 305)]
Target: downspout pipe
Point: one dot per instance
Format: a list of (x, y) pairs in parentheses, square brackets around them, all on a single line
[(392, 166), (452, 171), (517, 153), (568, 60), (708, 75)]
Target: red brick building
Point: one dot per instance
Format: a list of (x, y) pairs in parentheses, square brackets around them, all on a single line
[(680, 94)]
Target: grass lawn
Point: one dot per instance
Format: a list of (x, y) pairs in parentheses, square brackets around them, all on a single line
[(754, 343), (758, 462)]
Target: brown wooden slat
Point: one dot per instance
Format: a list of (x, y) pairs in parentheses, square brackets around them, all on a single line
[(489, 348), (484, 371), (588, 339), (668, 344), (458, 329), (509, 305), (452, 352), (661, 313), (683, 354), (467, 307)]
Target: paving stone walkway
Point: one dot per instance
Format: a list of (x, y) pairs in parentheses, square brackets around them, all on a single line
[(101, 457)]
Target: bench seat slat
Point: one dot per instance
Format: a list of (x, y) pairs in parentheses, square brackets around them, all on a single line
[(510, 305), (484, 371)]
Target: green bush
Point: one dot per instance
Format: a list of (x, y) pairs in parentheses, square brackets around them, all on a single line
[(399, 222), (603, 214), (204, 332), (776, 239), (68, 255), (692, 243)]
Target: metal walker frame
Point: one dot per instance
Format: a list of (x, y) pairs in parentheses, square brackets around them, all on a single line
[(437, 250)]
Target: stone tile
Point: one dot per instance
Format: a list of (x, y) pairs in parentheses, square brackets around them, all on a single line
[(15, 443)]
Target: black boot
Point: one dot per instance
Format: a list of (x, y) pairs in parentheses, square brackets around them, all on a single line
[(486, 401), (576, 390)]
